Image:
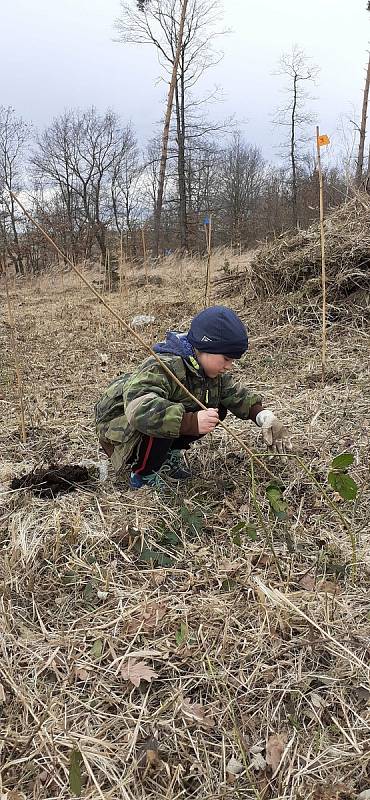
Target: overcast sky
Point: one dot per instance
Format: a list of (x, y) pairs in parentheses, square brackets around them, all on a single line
[(59, 54)]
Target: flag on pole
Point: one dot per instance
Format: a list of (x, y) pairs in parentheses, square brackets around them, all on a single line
[(323, 139)]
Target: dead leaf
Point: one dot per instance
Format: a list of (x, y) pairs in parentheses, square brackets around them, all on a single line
[(234, 767), (82, 674), (228, 567), (13, 795), (307, 582), (316, 700), (257, 748), (148, 618), (136, 671), (159, 577), (197, 713), (337, 497), (274, 750), (329, 587), (260, 560), (365, 795), (363, 694), (147, 754), (258, 762), (334, 791)]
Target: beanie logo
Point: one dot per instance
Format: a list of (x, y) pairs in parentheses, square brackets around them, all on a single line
[(205, 339)]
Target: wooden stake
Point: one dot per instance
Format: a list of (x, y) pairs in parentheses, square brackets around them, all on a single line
[(105, 284), (144, 255), (323, 269), (16, 360), (208, 232), (121, 265), (109, 271)]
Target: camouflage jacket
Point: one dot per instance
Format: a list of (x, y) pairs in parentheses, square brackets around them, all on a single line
[(148, 401)]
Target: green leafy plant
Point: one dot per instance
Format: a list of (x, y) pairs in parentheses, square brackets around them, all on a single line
[(228, 584), (182, 633), (70, 578), (278, 505), (168, 537), (90, 590), (245, 528), (96, 648), (339, 479), (154, 557), (194, 520)]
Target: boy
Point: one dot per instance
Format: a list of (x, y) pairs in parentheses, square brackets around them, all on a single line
[(145, 419)]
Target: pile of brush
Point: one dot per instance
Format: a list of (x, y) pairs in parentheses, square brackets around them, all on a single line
[(293, 260)]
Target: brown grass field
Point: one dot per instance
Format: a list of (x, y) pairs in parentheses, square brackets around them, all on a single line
[(250, 648)]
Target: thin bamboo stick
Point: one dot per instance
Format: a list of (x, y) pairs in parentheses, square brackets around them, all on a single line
[(323, 267), (105, 284), (208, 232), (109, 273), (121, 266), (144, 256), (18, 371)]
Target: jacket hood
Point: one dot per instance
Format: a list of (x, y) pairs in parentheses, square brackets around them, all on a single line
[(177, 344)]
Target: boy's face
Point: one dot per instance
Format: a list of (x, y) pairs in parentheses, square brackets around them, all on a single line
[(214, 364)]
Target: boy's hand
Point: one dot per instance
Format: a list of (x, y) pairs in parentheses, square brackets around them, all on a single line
[(274, 433), (207, 420)]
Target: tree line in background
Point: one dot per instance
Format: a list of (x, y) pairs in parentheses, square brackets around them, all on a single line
[(94, 191), (90, 185)]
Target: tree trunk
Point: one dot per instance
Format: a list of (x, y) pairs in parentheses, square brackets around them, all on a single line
[(166, 130), (18, 261), (292, 155), (180, 119), (101, 239), (361, 147)]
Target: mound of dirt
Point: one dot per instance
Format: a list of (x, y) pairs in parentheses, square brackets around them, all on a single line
[(48, 483)]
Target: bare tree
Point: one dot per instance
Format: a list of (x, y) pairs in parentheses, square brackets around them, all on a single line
[(296, 67), (53, 163), (125, 189), (241, 180), (361, 146), (14, 135), (190, 53), (81, 155)]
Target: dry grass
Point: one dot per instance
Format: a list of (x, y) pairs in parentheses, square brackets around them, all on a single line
[(259, 656)]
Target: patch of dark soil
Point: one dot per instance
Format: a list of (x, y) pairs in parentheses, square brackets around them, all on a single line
[(314, 378), (48, 483), (152, 280)]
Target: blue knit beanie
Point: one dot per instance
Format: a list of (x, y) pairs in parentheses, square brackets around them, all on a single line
[(218, 330)]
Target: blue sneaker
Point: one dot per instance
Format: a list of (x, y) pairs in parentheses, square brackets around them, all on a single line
[(153, 481), (176, 467)]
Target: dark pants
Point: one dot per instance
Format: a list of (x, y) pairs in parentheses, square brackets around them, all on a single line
[(153, 451)]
